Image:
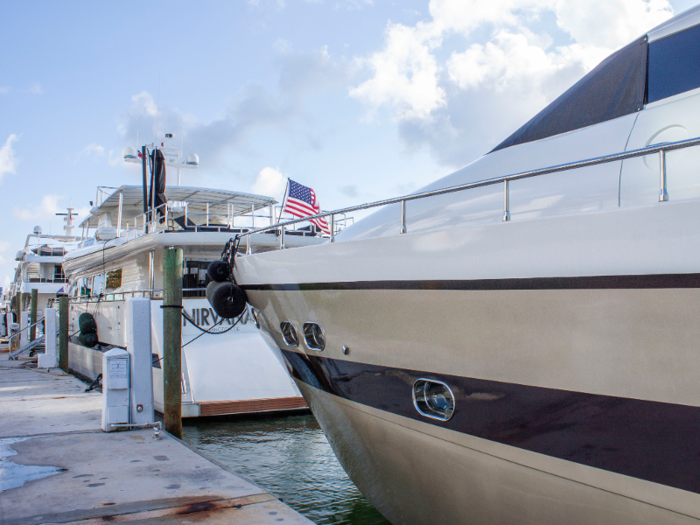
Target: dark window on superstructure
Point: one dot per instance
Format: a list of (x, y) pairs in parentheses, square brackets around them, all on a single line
[(613, 89), (674, 64), (195, 278), (58, 275)]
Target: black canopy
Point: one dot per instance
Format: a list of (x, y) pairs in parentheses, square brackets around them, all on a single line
[(614, 88)]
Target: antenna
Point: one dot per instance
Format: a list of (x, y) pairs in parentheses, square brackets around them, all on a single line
[(68, 226), (155, 139)]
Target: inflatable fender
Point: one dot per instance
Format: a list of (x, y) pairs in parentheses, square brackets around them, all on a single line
[(227, 299), (87, 324), (219, 271)]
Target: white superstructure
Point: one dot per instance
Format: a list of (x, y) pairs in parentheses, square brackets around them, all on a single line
[(228, 370)]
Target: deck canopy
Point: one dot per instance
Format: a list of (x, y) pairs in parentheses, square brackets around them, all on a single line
[(195, 199)]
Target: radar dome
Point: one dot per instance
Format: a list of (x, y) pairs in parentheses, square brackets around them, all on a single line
[(130, 153), (193, 159)]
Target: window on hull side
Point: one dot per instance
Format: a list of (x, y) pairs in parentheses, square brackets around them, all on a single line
[(674, 64)]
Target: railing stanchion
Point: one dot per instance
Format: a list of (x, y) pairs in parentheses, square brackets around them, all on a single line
[(403, 217), (282, 238), (506, 200), (247, 244), (332, 228), (663, 194)]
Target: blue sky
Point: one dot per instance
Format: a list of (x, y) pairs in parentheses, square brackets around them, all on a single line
[(358, 99)]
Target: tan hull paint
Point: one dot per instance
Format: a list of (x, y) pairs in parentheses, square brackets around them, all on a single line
[(632, 343), (642, 344), (416, 473)]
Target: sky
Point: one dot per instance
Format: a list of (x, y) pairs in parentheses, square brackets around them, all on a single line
[(358, 99)]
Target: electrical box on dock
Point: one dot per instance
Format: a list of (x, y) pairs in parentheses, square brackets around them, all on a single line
[(115, 389)]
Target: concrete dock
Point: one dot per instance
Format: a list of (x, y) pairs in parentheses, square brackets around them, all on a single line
[(57, 466)]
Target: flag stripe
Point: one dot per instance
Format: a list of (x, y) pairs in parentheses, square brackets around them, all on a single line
[(301, 202)]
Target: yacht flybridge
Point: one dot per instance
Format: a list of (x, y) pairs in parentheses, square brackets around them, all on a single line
[(40, 267), (226, 370), (518, 342)]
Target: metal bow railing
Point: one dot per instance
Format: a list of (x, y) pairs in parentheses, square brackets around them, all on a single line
[(661, 149)]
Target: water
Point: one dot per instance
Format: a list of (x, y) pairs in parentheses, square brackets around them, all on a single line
[(290, 457)]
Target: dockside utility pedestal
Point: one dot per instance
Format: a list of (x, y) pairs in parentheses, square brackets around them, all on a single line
[(115, 389)]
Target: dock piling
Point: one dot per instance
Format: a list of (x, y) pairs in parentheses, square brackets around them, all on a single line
[(172, 340), (32, 314), (63, 333)]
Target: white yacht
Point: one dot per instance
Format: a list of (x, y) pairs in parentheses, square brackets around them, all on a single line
[(518, 342), (226, 370), (40, 267)]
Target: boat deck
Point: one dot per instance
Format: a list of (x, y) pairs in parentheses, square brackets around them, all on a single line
[(57, 466)]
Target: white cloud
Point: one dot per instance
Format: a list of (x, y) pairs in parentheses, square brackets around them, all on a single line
[(8, 162), (6, 282), (4, 90), (405, 73), (46, 210), (460, 102), (610, 24), (36, 89), (92, 150), (271, 182), (301, 76), (4, 246)]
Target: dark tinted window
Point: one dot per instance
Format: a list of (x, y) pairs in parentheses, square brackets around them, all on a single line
[(613, 89), (674, 64)]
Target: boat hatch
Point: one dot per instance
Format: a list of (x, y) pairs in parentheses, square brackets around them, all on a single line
[(314, 336), (289, 332), (433, 399)]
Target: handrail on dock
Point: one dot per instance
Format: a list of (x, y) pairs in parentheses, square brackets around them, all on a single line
[(662, 149)]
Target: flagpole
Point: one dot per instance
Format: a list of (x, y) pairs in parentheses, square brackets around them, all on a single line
[(284, 201)]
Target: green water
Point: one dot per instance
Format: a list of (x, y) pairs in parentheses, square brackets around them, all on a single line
[(290, 457)]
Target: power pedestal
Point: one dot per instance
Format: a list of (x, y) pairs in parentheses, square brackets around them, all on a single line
[(115, 389)]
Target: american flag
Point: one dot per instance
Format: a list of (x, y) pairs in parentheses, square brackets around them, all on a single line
[(301, 202)]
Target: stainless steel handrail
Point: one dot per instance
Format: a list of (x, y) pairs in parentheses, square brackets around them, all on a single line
[(18, 332), (662, 149)]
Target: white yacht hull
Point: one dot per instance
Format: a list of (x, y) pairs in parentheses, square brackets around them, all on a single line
[(570, 344), (232, 372)]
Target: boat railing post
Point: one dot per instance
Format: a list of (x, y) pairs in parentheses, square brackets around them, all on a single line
[(506, 200), (663, 194), (247, 244), (403, 217), (207, 214), (253, 215), (32, 314), (332, 228), (172, 340), (119, 213), (282, 237)]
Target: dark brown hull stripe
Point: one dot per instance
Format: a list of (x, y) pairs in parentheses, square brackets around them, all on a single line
[(600, 282), (658, 442)]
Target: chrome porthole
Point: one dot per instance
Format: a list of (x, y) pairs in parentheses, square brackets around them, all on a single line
[(314, 336), (433, 399), (289, 332)]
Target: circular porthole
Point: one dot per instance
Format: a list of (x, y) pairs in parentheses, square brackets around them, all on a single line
[(433, 399), (289, 332), (314, 336)]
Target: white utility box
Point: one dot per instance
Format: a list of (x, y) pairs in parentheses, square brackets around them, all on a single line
[(49, 359), (115, 389), (138, 344)]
